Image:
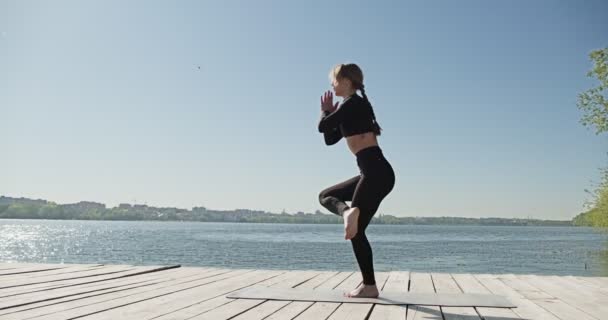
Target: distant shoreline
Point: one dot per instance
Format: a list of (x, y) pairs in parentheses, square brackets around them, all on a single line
[(557, 224), (23, 208)]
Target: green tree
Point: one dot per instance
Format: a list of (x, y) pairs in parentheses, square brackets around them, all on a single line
[(594, 105), (594, 102)]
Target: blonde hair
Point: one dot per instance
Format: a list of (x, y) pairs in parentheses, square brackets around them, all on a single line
[(353, 73)]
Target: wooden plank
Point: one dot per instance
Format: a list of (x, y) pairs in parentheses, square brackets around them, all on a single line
[(294, 308), (181, 300), (217, 306), (91, 283), (563, 310), (552, 304), (28, 264), (197, 305), (322, 310), (269, 307), (582, 300), (52, 271), (57, 285), (239, 306), (33, 288), (48, 279), (469, 284), (422, 282), (596, 280), (85, 284), (397, 281), (46, 295), (46, 291), (98, 304), (6, 268), (179, 294), (526, 309), (576, 286), (590, 283), (354, 311), (14, 265), (444, 283), (23, 265), (528, 291), (100, 292), (31, 270), (48, 307), (600, 281), (68, 270)]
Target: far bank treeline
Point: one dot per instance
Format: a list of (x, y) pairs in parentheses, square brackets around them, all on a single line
[(23, 208)]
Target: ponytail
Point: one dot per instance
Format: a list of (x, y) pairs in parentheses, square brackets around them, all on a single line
[(377, 128)]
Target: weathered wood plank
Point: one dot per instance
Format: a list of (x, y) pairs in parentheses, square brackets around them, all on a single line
[(30, 269), (63, 291), (78, 296), (223, 308), (114, 304), (552, 304), (526, 309), (92, 282), (322, 310), (590, 283), (397, 281), (68, 283), (444, 283), (583, 286), (269, 307), (358, 311), (422, 282), (197, 305), (46, 295), (469, 284), (50, 279), (294, 308), (593, 305), (69, 269)]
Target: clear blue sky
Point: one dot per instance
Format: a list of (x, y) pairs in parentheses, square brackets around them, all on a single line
[(104, 101)]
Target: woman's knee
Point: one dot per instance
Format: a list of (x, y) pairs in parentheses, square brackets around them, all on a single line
[(322, 196), (327, 192)]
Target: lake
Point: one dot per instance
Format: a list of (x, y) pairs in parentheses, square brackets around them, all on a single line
[(428, 248)]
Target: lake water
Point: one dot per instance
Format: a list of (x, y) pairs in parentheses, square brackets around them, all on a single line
[(474, 249)]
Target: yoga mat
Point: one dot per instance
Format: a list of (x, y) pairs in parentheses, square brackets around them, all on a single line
[(386, 297)]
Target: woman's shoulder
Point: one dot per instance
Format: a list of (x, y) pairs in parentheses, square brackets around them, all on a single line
[(355, 99)]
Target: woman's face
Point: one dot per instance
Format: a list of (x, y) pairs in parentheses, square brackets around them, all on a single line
[(341, 86)]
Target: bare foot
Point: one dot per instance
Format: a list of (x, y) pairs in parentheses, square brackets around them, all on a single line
[(363, 291), (351, 219)]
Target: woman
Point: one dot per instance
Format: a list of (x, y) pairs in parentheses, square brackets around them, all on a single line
[(354, 120)]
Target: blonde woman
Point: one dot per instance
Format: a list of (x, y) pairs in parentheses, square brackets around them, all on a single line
[(354, 120)]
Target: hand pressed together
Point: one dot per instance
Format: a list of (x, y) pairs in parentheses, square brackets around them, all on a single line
[(327, 103)]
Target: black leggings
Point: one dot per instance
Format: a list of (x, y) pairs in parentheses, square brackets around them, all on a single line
[(365, 191)]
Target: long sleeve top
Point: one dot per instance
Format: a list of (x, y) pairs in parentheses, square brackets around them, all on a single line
[(353, 116)]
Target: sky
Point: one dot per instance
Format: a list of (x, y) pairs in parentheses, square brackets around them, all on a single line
[(104, 101)]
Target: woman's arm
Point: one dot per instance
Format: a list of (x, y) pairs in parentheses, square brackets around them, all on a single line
[(330, 121), (332, 137)]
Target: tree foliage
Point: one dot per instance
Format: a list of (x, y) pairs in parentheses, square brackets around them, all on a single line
[(594, 105), (594, 102)]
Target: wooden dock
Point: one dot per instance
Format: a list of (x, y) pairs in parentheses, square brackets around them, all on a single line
[(96, 291)]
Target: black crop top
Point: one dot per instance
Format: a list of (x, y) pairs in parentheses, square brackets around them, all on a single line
[(353, 116)]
